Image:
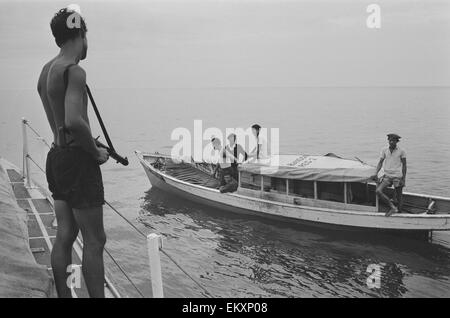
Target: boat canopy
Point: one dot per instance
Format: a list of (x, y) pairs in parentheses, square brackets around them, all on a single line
[(312, 168)]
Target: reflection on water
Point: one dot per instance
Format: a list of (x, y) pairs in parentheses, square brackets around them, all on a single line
[(245, 256)]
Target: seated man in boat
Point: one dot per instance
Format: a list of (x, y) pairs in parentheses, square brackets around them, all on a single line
[(393, 162), (238, 155), (223, 159), (230, 185), (261, 150)]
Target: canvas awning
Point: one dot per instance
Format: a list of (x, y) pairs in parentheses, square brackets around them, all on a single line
[(312, 168)]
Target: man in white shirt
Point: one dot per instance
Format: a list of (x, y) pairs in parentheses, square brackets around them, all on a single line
[(260, 151), (393, 162), (223, 159)]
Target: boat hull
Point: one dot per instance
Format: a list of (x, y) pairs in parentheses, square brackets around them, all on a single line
[(238, 203)]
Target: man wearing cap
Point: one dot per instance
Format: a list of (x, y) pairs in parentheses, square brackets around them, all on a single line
[(393, 162)]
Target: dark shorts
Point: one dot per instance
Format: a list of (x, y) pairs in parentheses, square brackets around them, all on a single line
[(392, 181), (235, 171), (75, 177)]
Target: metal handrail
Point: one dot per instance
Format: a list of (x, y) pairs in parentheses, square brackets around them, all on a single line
[(154, 241)]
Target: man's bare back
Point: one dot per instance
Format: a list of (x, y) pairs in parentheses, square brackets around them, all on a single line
[(52, 90)]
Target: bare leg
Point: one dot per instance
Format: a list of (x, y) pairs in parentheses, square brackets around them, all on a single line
[(61, 256), (399, 195), (90, 222), (383, 185), (384, 197)]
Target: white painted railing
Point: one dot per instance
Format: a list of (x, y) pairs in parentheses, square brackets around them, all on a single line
[(25, 158), (154, 241), (154, 244)]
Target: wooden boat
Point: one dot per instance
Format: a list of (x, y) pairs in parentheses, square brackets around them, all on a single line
[(318, 190)]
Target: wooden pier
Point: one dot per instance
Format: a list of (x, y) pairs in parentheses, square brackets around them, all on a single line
[(42, 232)]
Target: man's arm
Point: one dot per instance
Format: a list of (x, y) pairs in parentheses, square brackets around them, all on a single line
[(253, 153), (242, 151), (216, 168), (404, 170), (379, 166), (74, 108)]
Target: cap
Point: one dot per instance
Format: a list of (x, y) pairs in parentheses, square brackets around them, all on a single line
[(393, 136)]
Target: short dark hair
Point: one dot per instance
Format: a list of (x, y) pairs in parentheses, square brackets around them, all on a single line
[(257, 127), (61, 31), (232, 135)]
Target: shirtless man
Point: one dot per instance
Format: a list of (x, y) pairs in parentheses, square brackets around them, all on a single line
[(72, 168)]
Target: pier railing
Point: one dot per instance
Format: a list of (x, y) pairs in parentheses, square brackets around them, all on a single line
[(154, 241)]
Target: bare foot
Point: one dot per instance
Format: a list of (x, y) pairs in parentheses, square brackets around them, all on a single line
[(391, 211)]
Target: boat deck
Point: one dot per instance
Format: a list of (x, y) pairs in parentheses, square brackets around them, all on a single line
[(42, 234), (188, 173)]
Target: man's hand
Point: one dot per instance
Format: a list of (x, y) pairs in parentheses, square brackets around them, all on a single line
[(403, 181), (102, 156)]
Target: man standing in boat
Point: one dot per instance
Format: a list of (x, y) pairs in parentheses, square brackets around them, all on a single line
[(223, 158), (393, 162), (72, 169), (238, 153), (260, 151)]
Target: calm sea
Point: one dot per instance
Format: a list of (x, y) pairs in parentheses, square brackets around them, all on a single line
[(231, 255)]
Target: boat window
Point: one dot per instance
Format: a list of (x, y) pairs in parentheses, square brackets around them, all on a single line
[(278, 185), (301, 188), (360, 193), (250, 181), (267, 183), (330, 191)]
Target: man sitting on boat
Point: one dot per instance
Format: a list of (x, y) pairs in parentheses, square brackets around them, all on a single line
[(223, 160), (230, 185), (239, 155), (393, 162)]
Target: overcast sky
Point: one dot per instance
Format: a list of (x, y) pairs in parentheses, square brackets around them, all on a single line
[(245, 43)]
